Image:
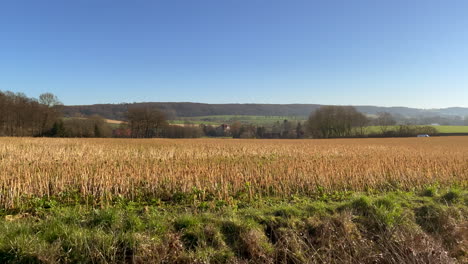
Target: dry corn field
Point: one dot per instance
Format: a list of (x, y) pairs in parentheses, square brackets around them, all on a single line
[(221, 168)]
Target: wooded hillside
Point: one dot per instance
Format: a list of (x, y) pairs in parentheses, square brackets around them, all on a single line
[(173, 110)]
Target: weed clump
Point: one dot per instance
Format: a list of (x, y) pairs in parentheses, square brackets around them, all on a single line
[(452, 196)]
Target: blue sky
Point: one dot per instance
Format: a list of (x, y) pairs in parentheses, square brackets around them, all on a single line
[(389, 53)]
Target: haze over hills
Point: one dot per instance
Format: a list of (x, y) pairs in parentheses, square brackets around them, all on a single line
[(187, 109)]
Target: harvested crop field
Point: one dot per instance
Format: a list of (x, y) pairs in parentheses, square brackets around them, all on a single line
[(102, 170), (234, 201)]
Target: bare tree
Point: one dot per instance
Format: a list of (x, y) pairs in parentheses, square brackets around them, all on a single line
[(93, 126), (50, 112), (24, 116), (335, 121), (49, 100), (236, 129), (146, 122), (385, 120), (361, 122)]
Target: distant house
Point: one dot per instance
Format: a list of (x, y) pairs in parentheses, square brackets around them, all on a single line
[(225, 127), (223, 130)]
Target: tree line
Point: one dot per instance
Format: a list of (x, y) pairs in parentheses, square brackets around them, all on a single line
[(24, 116), (42, 117), (325, 122), (173, 110)]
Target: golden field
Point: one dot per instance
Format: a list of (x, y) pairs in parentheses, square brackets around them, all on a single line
[(223, 168)]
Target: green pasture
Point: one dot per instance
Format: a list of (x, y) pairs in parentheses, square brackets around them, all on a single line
[(245, 119), (440, 129)]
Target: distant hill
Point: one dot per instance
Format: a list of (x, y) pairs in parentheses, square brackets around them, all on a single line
[(174, 110)]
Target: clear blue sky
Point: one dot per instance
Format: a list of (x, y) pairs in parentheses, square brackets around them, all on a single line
[(391, 53)]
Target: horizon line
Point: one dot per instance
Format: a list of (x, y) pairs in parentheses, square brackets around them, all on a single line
[(187, 102)]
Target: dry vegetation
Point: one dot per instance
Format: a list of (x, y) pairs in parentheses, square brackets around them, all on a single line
[(234, 201), (221, 169)]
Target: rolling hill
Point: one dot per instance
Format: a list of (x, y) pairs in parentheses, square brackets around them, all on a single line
[(184, 109)]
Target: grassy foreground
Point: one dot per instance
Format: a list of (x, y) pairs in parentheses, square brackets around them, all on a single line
[(234, 201), (397, 227)]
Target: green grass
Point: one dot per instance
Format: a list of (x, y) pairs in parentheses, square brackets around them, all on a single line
[(217, 120), (329, 228), (452, 129), (269, 120), (440, 129), (246, 119)]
